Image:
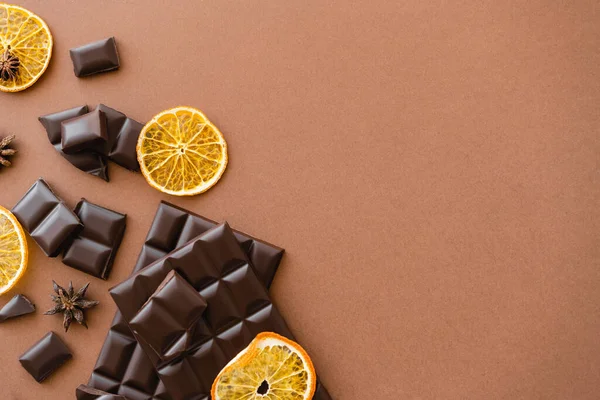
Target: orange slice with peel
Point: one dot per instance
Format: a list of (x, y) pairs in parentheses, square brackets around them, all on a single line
[(271, 367), (25, 48), (13, 250), (181, 152)]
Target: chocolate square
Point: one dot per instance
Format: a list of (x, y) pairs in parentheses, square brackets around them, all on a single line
[(92, 163), (166, 318), (47, 219), (94, 249), (123, 151), (86, 132), (45, 356), (96, 57)]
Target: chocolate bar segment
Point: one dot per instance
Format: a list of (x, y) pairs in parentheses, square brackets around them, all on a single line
[(92, 163), (164, 322), (94, 249), (44, 357), (84, 392), (17, 306), (238, 308), (47, 219), (86, 132), (96, 57), (123, 151), (122, 366)]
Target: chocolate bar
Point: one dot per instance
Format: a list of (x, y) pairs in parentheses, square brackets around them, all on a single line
[(123, 133), (45, 356), (86, 132), (96, 57), (84, 392), (165, 320), (17, 306), (94, 249), (47, 219), (123, 367), (92, 163), (238, 308)]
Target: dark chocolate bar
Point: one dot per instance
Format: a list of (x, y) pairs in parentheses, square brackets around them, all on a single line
[(86, 132), (47, 219), (92, 163), (17, 306), (123, 367), (123, 133), (84, 392), (96, 57), (238, 308), (45, 356), (93, 250), (164, 322)]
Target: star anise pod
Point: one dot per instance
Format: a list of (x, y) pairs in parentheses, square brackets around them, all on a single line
[(9, 65), (72, 304), (4, 151)]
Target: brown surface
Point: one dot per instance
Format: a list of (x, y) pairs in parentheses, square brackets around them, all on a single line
[(432, 170)]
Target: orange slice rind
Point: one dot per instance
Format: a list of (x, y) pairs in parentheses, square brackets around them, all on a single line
[(26, 37), (13, 251), (272, 367), (181, 152)]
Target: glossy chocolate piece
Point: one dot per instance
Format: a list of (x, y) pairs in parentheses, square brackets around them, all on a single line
[(44, 357), (84, 392), (17, 306), (92, 163), (123, 151), (122, 366), (238, 308), (47, 219), (164, 322), (114, 122), (86, 132), (96, 57), (93, 250)]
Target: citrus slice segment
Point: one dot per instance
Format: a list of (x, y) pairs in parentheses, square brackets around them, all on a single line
[(271, 367), (25, 48), (181, 152), (13, 250)]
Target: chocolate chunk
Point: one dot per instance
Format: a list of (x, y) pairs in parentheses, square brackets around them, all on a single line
[(92, 163), (87, 132), (96, 57), (166, 319), (114, 122), (123, 151), (122, 366), (238, 308), (44, 357), (84, 392), (17, 306), (93, 250), (47, 219)]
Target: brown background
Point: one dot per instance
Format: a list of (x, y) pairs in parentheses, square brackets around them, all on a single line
[(431, 168)]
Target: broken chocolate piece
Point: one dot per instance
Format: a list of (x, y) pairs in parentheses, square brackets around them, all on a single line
[(45, 356), (86, 132), (96, 57), (17, 306)]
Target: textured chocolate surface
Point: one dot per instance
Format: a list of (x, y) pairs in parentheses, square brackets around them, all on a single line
[(96, 57), (238, 308), (84, 392), (92, 163), (86, 132), (45, 356), (164, 322), (122, 366), (17, 306), (94, 248), (47, 219)]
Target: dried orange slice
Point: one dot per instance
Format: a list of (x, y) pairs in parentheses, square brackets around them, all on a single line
[(13, 250), (181, 152), (25, 48), (271, 367)]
